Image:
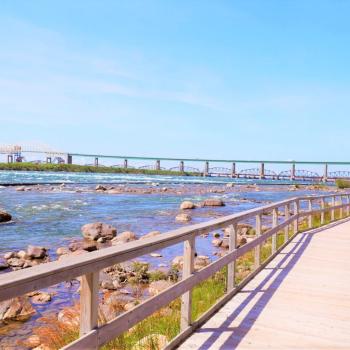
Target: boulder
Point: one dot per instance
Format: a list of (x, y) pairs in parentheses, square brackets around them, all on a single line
[(62, 251), (5, 217), (150, 234), (20, 189), (213, 203), (124, 237), (216, 242), (70, 316), (96, 230), (89, 246), (32, 342), (183, 217), (9, 255), (16, 309), (201, 261), (41, 298), (158, 286), (100, 188), (36, 252), (22, 255), (240, 241), (15, 262), (187, 205), (152, 342)]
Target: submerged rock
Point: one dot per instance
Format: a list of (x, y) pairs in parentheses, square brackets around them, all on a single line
[(183, 217), (96, 230), (5, 217), (16, 309)]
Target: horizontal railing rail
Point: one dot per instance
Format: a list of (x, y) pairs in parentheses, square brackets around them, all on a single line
[(89, 265)]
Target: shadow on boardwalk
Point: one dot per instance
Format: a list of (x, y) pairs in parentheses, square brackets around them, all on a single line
[(273, 279)]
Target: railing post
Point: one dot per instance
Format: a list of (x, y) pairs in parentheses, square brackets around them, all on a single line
[(231, 267), (296, 212), (332, 211), (89, 303), (274, 224), (186, 298), (341, 211), (310, 209), (257, 249), (323, 206), (286, 216)]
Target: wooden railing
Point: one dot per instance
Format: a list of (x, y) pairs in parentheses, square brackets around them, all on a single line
[(88, 266)]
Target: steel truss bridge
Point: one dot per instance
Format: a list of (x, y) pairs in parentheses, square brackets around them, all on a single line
[(297, 169)]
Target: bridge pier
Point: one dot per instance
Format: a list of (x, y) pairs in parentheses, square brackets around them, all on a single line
[(292, 174), (158, 164), (206, 169), (10, 158), (262, 171), (182, 166), (233, 170), (125, 163), (69, 159), (325, 174), (96, 162), (48, 160)]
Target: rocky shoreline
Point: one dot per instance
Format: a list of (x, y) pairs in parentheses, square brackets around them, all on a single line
[(122, 286)]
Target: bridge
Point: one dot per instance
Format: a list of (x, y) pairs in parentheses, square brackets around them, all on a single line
[(295, 295), (211, 167)]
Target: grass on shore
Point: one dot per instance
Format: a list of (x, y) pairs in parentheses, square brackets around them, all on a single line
[(88, 169), (342, 183), (166, 321)]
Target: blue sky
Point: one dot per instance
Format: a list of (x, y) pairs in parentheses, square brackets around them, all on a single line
[(216, 79)]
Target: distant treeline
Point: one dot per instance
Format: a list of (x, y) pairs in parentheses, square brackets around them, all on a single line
[(88, 169)]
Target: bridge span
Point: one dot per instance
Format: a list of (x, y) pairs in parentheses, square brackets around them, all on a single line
[(295, 295), (206, 167)]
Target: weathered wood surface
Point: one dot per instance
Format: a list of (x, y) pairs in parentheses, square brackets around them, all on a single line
[(301, 300)]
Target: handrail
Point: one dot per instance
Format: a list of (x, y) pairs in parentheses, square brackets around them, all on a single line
[(19, 282)]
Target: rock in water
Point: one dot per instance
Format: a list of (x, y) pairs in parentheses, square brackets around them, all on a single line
[(124, 237), (16, 309), (5, 217), (213, 203), (183, 217), (36, 252), (187, 205), (96, 230)]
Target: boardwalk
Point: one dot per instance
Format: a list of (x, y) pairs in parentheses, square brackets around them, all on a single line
[(301, 300)]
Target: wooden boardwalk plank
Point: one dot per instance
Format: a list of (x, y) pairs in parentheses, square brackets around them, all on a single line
[(301, 300)]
